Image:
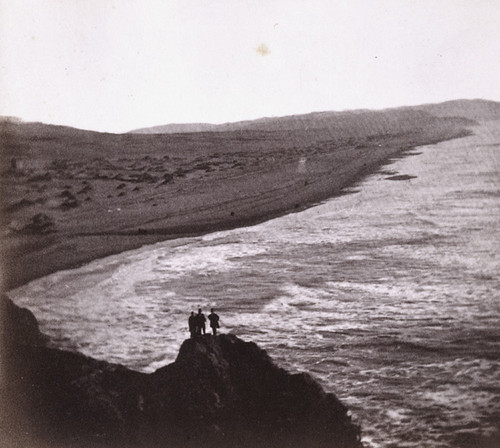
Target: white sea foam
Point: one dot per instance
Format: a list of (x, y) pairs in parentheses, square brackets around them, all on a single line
[(389, 296)]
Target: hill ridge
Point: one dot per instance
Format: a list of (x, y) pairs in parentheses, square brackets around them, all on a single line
[(466, 108)]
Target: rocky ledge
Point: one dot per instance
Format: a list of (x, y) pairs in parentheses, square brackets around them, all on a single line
[(220, 392)]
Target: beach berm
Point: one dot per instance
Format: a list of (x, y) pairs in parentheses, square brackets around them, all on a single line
[(70, 196)]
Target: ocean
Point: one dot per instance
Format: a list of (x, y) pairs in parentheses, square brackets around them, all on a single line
[(388, 295)]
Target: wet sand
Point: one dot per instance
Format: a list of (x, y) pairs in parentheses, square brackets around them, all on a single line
[(110, 194)]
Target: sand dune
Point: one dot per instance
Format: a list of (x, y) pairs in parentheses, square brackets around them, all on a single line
[(70, 196)]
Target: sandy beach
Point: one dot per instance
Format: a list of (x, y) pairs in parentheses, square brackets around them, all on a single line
[(70, 199), (71, 196)]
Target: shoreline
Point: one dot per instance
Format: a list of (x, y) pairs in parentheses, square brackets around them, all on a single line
[(409, 164), (231, 203)]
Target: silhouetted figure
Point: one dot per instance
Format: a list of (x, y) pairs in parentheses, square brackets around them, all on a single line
[(200, 322), (192, 324), (214, 321)]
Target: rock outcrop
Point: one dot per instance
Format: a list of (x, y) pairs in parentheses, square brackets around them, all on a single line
[(220, 392)]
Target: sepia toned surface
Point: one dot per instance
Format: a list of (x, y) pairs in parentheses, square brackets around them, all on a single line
[(358, 248), (71, 196), (384, 293)]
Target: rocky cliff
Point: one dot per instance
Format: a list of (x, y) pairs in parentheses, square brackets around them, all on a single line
[(220, 391)]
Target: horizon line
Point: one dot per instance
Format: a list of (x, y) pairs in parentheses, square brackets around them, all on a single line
[(20, 120)]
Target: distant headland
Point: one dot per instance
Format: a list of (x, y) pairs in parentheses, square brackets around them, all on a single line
[(220, 392)]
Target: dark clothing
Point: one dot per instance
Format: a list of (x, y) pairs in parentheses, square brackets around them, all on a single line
[(214, 322), (200, 323), (192, 325)]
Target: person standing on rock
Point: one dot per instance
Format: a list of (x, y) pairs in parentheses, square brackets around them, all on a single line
[(200, 322), (192, 324), (214, 321)]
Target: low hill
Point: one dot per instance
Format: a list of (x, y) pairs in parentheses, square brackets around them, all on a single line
[(176, 128), (333, 121), (71, 196), (478, 110), (338, 121)]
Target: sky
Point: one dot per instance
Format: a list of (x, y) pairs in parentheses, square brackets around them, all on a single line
[(119, 65)]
